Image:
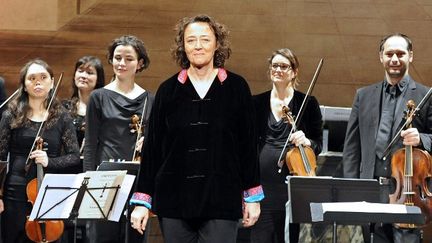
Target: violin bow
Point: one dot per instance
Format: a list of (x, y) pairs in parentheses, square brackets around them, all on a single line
[(300, 113), (407, 121), (9, 98), (140, 126), (39, 132)]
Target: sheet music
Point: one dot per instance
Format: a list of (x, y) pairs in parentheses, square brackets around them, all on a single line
[(122, 198), (103, 196), (62, 210), (53, 196)]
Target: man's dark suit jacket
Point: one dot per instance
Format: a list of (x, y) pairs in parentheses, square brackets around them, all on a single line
[(359, 148)]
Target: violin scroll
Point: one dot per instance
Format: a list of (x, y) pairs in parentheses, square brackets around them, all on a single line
[(410, 112), (39, 143), (136, 127)]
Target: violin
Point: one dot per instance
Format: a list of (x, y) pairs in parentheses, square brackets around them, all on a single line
[(80, 126), (411, 169), (41, 230), (300, 160), (81, 151), (136, 127), (304, 154)]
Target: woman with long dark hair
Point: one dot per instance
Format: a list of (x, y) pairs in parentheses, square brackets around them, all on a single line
[(18, 130)]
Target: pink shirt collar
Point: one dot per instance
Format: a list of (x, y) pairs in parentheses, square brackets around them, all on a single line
[(182, 76)]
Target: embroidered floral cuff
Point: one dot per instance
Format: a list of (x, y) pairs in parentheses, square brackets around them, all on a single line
[(141, 199), (254, 194)]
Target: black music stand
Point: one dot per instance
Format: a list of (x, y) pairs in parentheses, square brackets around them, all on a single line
[(304, 190), (54, 195), (132, 168), (366, 213)]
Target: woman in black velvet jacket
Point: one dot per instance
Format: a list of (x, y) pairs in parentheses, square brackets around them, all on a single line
[(199, 163), (272, 134)]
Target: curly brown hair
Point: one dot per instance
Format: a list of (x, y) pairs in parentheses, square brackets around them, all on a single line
[(223, 51), (19, 107)]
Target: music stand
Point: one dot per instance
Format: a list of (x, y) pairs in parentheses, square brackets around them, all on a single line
[(132, 168), (304, 190), (369, 213), (71, 196)]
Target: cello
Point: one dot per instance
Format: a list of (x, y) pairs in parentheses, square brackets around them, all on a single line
[(41, 230), (411, 169), (301, 160)]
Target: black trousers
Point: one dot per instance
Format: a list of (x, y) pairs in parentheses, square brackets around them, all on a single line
[(13, 221), (270, 227), (198, 230), (102, 231)]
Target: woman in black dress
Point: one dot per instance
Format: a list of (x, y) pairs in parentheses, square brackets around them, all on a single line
[(18, 128), (272, 134), (108, 133), (88, 76)]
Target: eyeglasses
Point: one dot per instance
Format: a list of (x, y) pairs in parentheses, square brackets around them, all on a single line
[(283, 66)]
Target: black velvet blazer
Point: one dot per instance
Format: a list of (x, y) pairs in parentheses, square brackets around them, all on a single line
[(200, 154)]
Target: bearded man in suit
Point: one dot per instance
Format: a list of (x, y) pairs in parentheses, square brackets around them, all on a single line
[(377, 115)]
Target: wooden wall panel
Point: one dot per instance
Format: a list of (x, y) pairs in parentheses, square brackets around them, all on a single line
[(345, 33)]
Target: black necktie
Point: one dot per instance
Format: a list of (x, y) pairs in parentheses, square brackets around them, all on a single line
[(386, 122)]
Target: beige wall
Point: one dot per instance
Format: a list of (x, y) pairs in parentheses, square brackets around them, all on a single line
[(48, 15), (35, 15), (345, 33)]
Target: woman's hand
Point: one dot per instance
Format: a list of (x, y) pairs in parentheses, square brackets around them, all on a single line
[(251, 212), (40, 157), (139, 218), (139, 144), (299, 138), (1, 206)]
